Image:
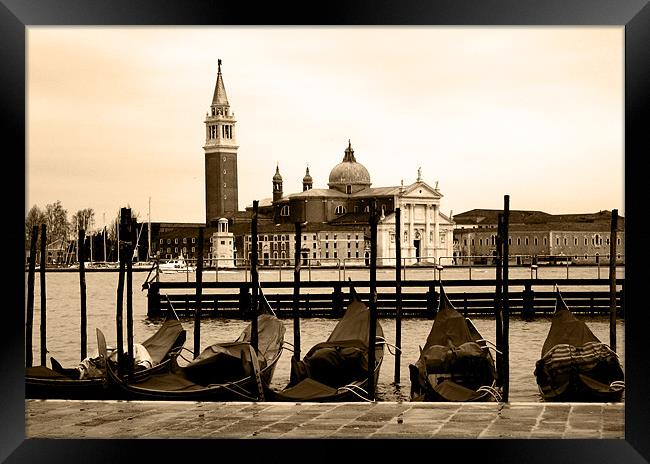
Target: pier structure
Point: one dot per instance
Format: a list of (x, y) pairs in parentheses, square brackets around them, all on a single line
[(419, 298)]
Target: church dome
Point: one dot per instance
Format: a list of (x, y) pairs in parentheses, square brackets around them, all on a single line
[(349, 173)]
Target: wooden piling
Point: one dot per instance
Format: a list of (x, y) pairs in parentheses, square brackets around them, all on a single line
[(130, 230), (296, 293), (506, 302), (398, 294), (29, 317), (43, 298), (254, 278), (498, 310), (120, 300), (373, 301), (612, 280), (82, 294), (199, 295)]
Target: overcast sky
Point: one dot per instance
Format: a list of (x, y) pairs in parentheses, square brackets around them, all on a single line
[(115, 115)]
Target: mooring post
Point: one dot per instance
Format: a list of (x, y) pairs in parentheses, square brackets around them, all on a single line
[(43, 299), (528, 309), (498, 300), (373, 301), (82, 293), (199, 295), (432, 301), (398, 294), (612, 280), (506, 302), (254, 277), (29, 318), (296, 293), (337, 300), (129, 245), (120, 301)]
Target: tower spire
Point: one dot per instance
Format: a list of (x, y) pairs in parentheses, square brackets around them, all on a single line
[(219, 98)]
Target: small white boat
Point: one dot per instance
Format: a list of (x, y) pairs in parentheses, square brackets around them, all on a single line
[(177, 265)]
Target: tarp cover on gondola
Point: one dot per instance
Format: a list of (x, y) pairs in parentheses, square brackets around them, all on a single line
[(226, 362), (219, 365), (169, 335), (452, 365), (343, 358), (575, 365), (338, 362)]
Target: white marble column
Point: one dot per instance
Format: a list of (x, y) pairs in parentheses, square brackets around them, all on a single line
[(436, 230), (411, 237), (428, 246)]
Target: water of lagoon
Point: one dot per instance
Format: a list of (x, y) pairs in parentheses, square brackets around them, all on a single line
[(526, 337)]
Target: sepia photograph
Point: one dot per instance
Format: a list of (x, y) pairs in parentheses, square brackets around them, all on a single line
[(341, 232)]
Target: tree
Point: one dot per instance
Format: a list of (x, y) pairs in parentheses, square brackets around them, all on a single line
[(35, 217), (84, 219), (56, 222)]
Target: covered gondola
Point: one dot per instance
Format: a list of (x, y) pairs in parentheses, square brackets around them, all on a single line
[(89, 380), (455, 363), (575, 365), (337, 369), (230, 371)]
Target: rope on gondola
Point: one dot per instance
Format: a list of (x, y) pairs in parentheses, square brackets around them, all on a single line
[(382, 341), (617, 385), (488, 342), (268, 305), (241, 392), (171, 306), (351, 388), (183, 357), (492, 391)]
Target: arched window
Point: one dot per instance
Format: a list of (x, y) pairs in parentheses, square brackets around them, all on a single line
[(284, 211), (340, 210)]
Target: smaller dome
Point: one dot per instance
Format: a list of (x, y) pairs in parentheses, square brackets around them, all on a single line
[(277, 177), (307, 177)]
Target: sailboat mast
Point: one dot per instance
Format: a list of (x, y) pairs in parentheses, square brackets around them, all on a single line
[(104, 222), (149, 232)]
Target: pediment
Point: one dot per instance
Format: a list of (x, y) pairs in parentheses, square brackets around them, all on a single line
[(421, 190)]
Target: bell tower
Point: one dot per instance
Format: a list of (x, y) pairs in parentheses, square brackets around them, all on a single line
[(220, 157)]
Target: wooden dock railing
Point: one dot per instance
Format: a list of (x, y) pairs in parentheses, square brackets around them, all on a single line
[(419, 298)]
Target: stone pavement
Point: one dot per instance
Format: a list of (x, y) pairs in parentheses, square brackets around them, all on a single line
[(156, 419)]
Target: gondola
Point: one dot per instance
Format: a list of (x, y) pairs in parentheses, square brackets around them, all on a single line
[(230, 371), (337, 369), (455, 363), (575, 365), (57, 382)]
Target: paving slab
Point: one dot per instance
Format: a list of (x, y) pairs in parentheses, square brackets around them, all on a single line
[(187, 419)]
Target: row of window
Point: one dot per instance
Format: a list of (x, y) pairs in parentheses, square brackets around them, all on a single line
[(274, 238), (282, 255), (596, 241), (169, 240), (169, 249)]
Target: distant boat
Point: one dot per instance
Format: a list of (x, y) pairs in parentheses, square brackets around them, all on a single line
[(174, 265)]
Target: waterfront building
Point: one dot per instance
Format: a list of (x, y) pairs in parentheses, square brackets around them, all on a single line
[(336, 220), (576, 238)]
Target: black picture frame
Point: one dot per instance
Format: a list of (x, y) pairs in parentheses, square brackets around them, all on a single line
[(17, 15)]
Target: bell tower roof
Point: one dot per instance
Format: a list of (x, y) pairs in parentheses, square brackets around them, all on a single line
[(219, 98)]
